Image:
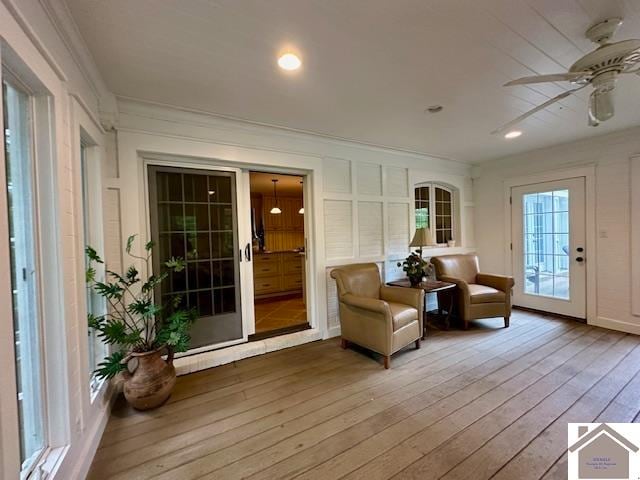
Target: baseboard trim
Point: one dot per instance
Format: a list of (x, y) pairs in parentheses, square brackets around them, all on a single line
[(214, 358), (619, 325), (550, 314), (334, 331)]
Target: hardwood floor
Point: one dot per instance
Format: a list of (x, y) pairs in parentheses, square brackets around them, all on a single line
[(279, 313), (489, 402)]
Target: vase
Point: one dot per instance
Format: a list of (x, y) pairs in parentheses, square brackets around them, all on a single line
[(415, 281), (151, 381)]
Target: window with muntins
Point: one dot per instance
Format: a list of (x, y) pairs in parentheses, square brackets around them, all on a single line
[(434, 208)]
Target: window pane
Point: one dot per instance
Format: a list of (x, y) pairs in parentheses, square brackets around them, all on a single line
[(27, 332), (95, 304), (546, 243)]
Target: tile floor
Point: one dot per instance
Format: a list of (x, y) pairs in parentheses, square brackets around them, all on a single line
[(279, 313)]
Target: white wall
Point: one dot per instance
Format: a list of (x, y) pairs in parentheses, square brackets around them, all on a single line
[(43, 38), (611, 155), (361, 196)]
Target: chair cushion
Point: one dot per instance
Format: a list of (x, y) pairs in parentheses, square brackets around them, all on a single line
[(402, 315), (484, 294)]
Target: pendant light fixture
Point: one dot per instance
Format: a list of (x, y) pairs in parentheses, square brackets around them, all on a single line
[(275, 210), (301, 211)]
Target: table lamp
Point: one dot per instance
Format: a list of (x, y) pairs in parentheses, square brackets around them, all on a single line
[(422, 238)]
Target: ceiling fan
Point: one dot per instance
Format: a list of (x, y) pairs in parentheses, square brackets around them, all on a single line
[(599, 68)]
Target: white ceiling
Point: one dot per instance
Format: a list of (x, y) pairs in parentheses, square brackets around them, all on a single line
[(371, 67)]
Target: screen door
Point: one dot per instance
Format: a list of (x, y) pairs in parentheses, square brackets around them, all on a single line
[(194, 216)]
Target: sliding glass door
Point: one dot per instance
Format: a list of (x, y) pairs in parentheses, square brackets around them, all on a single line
[(194, 216), (24, 279)]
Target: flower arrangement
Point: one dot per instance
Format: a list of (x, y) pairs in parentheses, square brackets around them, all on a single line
[(415, 267)]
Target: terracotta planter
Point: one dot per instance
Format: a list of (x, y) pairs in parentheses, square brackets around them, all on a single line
[(151, 380)]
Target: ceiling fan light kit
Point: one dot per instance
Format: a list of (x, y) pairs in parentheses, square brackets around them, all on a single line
[(599, 68)]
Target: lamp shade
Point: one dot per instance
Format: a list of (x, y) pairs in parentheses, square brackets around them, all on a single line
[(422, 238)]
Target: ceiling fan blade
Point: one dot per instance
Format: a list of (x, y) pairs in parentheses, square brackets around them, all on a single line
[(551, 101), (555, 77)]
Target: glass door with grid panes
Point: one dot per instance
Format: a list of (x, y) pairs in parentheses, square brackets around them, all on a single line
[(194, 216), (549, 251)]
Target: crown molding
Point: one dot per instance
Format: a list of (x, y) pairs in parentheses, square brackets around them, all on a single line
[(35, 39)]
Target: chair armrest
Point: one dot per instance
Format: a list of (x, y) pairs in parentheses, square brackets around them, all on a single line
[(366, 303), (406, 296), (503, 283), (461, 284)]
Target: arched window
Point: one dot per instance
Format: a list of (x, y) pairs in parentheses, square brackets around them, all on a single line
[(434, 208)]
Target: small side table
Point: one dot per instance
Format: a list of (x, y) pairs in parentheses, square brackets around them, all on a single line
[(430, 286)]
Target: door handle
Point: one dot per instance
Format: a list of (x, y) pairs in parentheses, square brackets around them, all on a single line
[(247, 252), (579, 259)]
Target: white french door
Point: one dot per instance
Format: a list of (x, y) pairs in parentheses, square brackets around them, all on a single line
[(549, 250)]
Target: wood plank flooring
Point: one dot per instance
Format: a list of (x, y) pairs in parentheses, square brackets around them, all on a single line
[(488, 402)]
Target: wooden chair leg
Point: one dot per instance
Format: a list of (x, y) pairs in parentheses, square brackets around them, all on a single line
[(344, 343), (417, 344), (506, 322), (387, 361)]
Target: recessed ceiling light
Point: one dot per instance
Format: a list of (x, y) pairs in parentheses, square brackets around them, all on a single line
[(289, 61), (513, 134)]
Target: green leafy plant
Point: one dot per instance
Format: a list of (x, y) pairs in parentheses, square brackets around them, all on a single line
[(415, 267), (134, 322)]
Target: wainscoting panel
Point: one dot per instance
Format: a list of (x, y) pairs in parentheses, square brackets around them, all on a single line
[(396, 182), (369, 179), (337, 175), (398, 224), (338, 229), (370, 236)]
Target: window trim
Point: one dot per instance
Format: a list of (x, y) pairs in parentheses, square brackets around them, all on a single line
[(432, 185), (48, 265), (88, 135)]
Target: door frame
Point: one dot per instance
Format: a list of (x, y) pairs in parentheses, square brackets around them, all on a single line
[(588, 172), (308, 238), (147, 162), (244, 231)]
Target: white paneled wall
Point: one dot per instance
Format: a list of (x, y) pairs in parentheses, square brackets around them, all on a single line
[(369, 179), (371, 219), (361, 197), (370, 235), (338, 177), (396, 182), (398, 222), (609, 256), (338, 221)]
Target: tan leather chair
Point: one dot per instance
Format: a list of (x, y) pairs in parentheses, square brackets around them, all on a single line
[(375, 316), (479, 295)]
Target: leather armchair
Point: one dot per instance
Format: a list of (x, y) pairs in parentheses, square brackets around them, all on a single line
[(375, 316), (479, 295)]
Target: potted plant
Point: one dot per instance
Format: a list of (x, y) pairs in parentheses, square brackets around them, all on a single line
[(138, 329), (415, 267)]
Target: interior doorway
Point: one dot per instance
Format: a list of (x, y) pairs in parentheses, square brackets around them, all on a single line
[(549, 246), (278, 253)]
